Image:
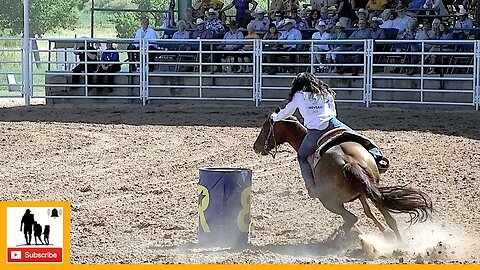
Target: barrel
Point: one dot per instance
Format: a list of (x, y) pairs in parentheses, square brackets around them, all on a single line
[(224, 206)]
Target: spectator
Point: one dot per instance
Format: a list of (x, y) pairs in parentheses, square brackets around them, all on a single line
[(301, 23), (260, 23), (110, 55), (145, 33), (444, 34), (201, 32), (408, 33), (338, 34), (377, 32), (190, 20), (386, 17), (437, 5), (213, 23), (402, 21), (279, 20), (322, 34), (80, 68), (313, 18), (291, 5), (275, 6), (463, 25), (434, 33), (181, 33), (232, 34), (247, 58), (272, 34), (242, 16), (290, 33), (345, 10), (362, 33), (325, 17), (201, 6), (362, 14)]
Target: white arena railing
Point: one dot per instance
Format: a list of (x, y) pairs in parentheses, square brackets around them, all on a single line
[(435, 72)]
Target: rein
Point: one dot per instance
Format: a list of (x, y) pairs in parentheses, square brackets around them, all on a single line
[(265, 144)]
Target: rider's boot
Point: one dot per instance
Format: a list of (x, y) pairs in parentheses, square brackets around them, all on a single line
[(382, 162)]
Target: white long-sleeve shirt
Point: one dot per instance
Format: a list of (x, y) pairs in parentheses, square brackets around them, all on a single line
[(147, 34), (315, 110)]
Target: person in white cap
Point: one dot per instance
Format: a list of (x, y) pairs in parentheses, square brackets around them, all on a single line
[(377, 32), (463, 25), (201, 32), (361, 14), (213, 23), (321, 34), (290, 33), (260, 23), (402, 21)]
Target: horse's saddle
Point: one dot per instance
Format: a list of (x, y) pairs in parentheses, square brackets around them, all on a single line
[(339, 135)]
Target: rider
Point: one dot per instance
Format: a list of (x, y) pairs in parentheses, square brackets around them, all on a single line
[(315, 101)]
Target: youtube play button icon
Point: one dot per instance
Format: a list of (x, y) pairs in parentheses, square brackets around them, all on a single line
[(16, 255)]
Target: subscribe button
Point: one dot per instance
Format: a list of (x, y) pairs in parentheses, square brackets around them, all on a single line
[(34, 255)]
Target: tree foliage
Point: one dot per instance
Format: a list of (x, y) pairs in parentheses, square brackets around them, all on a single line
[(45, 15)]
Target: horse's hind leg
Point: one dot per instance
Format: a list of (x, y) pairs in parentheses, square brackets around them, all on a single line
[(337, 208), (390, 221), (369, 214)]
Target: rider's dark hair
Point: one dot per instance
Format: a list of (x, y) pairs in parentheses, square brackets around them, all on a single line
[(309, 83)]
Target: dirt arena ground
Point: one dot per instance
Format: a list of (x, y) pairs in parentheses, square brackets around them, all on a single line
[(130, 173)]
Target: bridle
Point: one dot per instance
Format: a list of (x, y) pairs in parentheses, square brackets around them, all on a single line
[(271, 133)]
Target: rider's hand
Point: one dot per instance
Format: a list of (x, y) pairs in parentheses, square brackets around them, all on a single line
[(274, 115)]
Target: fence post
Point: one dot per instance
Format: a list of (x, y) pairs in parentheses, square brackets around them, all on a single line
[(257, 76), (476, 74), (26, 84), (368, 69)]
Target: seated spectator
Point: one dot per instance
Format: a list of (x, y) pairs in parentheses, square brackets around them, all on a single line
[(181, 33), (213, 23), (376, 6), (362, 33), (386, 17), (200, 6), (402, 21), (201, 32), (345, 9), (110, 55), (321, 34), (362, 14), (338, 34), (463, 25), (290, 33), (144, 33), (437, 5), (444, 34), (232, 34), (260, 22), (434, 32), (247, 58), (291, 5), (279, 20), (408, 33), (325, 17), (190, 20), (272, 34), (80, 68), (313, 18), (301, 23), (242, 16), (377, 32)]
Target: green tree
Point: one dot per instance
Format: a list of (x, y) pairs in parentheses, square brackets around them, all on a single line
[(45, 15), (126, 23)]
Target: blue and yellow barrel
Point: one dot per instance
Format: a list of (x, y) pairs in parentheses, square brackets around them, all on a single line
[(224, 206)]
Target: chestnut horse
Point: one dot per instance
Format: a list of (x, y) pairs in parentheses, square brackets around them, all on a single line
[(347, 172)]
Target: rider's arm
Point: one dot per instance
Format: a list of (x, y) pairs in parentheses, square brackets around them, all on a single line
[(331, 103), (286, 112)]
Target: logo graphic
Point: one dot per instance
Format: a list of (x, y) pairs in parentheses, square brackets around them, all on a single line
[(35, 234)]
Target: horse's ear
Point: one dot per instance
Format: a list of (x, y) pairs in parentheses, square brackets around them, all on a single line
[(277, 110)]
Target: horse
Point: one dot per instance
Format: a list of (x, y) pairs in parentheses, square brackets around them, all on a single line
[(344, 173)]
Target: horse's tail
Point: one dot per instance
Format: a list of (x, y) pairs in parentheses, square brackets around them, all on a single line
[(397, 199)]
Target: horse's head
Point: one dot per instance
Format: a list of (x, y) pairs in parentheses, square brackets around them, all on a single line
[(273, 134)]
